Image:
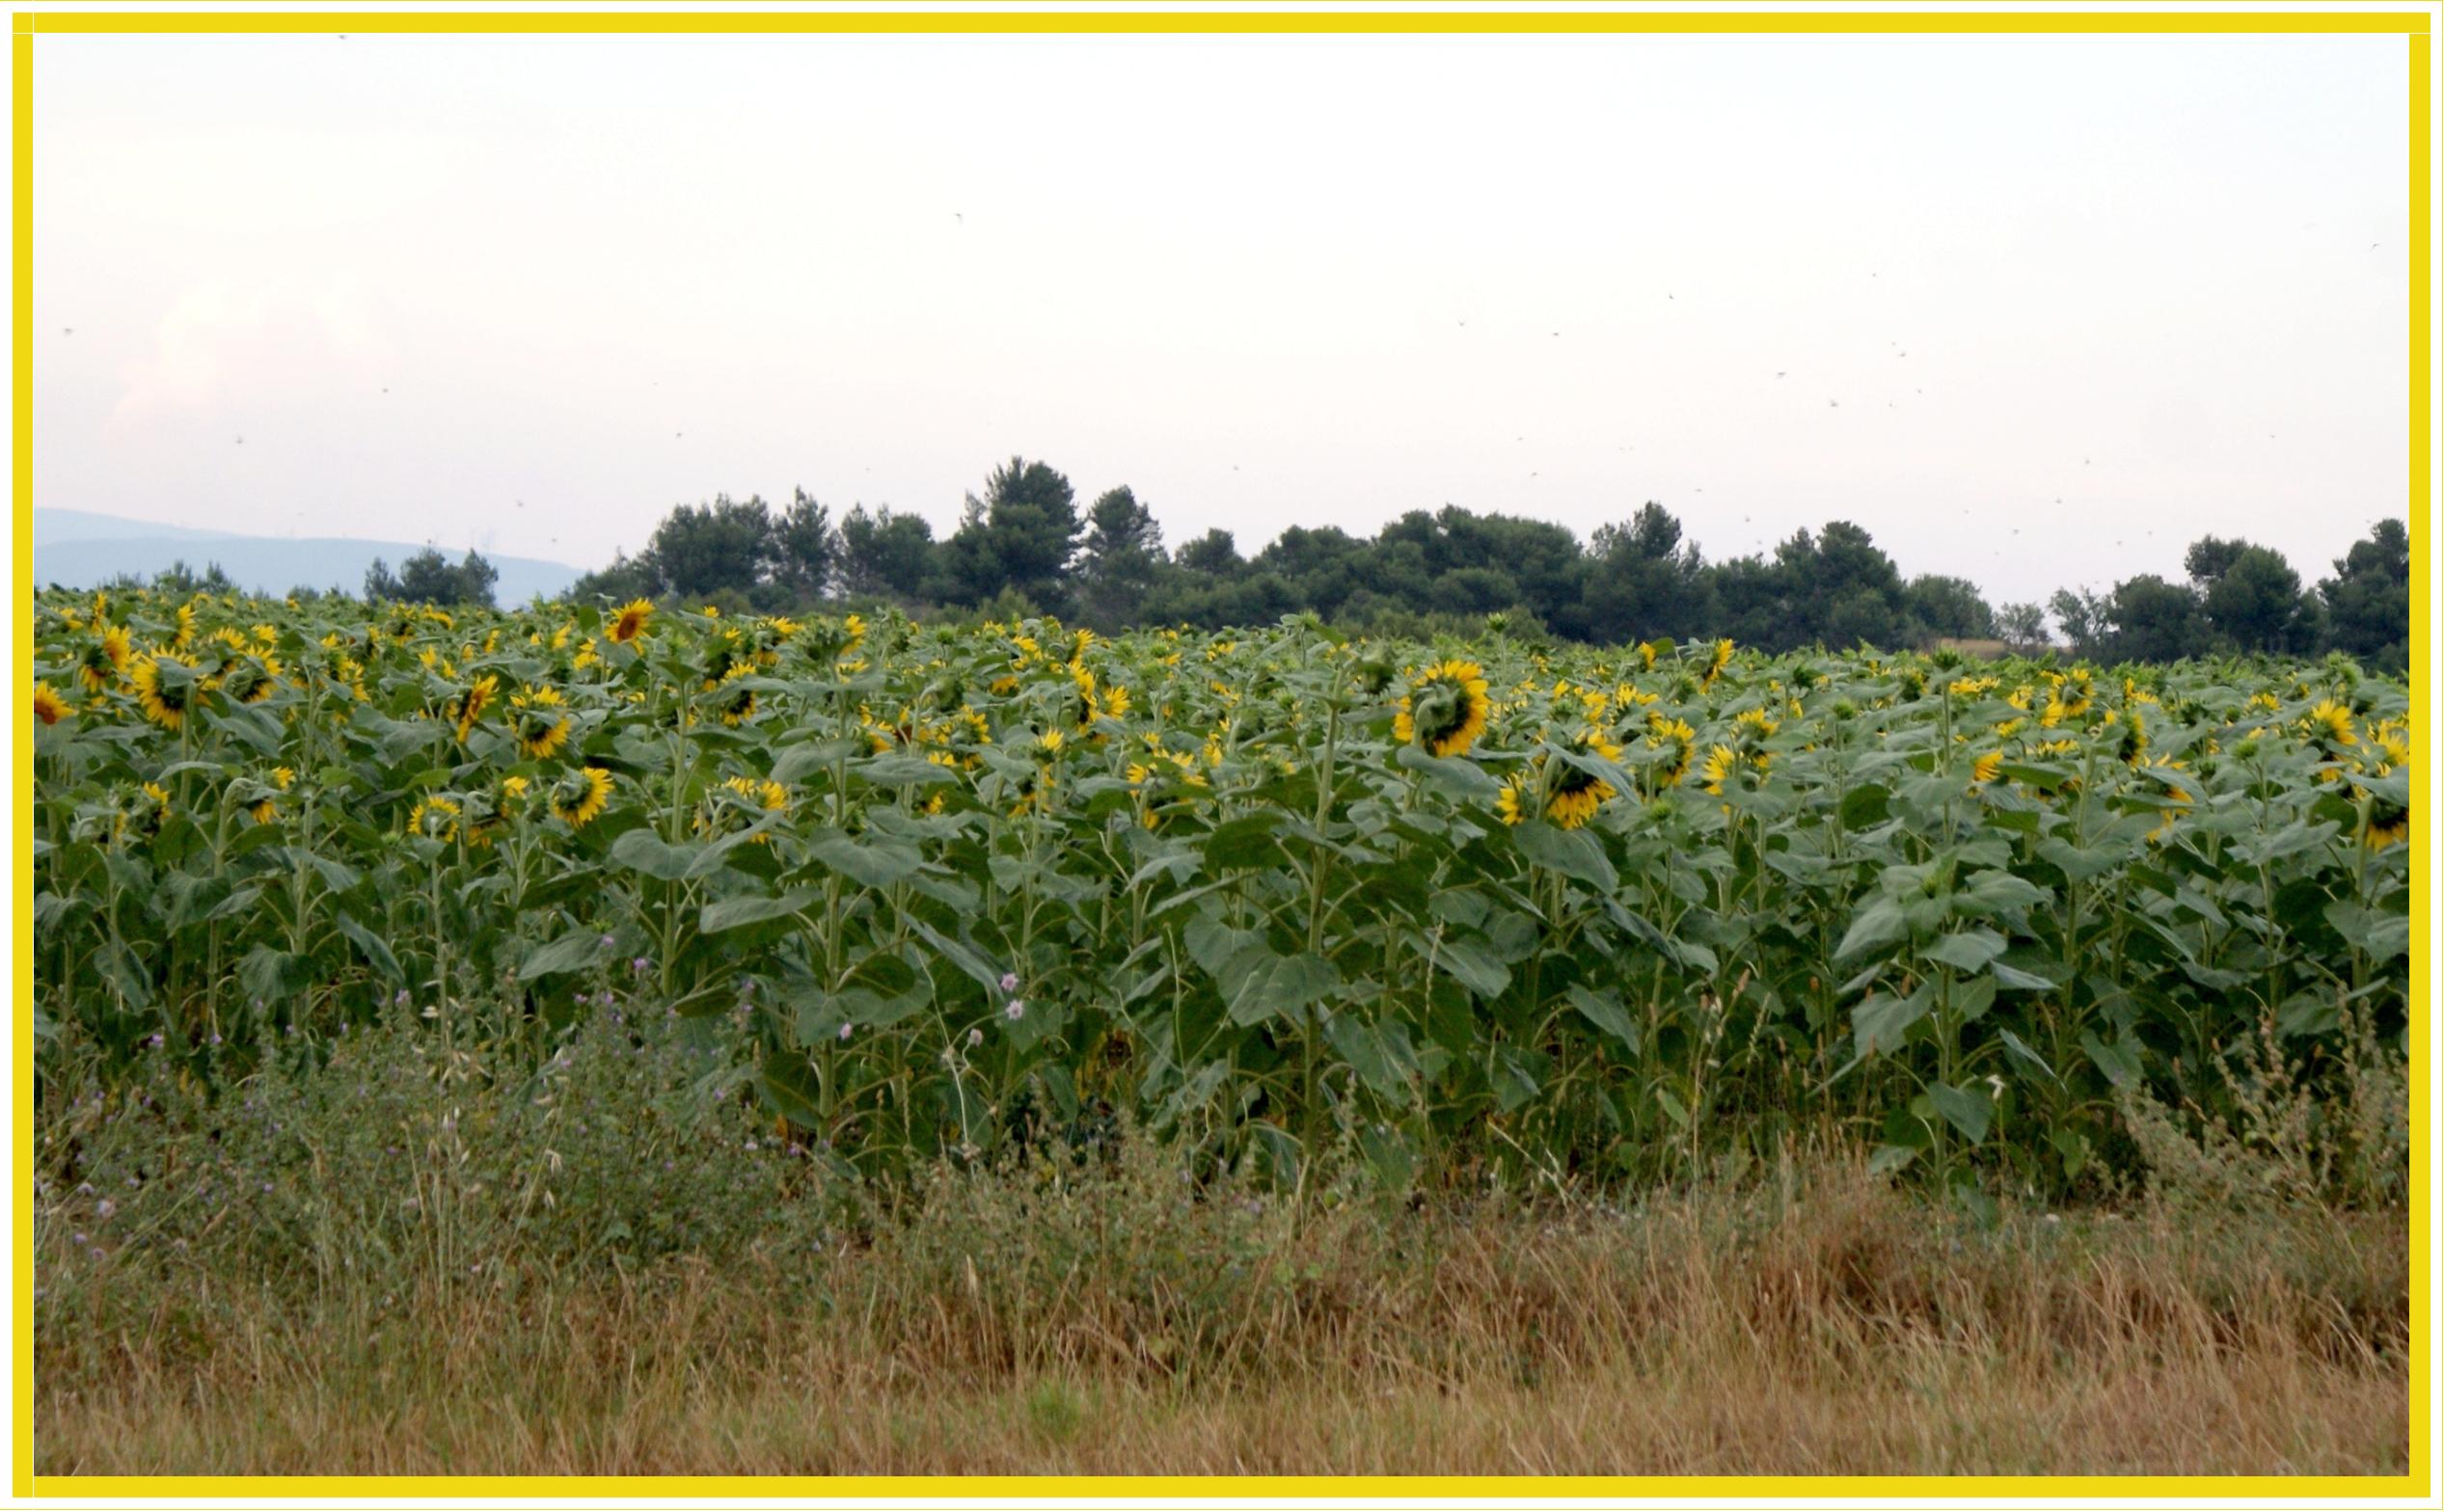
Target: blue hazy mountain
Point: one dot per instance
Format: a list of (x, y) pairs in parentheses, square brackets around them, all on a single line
[(78, 549)]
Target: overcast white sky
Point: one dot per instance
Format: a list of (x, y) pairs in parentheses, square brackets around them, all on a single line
[(2146, 287)]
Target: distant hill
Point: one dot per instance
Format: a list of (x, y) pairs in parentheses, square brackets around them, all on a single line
[(74, 549), (53, 527)]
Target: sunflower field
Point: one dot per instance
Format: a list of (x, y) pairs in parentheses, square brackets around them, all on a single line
[(1454, 911)]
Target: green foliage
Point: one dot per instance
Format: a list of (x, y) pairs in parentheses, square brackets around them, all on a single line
[(428, 578), (1516, 908)]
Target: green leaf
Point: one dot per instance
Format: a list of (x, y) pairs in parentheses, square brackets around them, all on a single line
[(572, 952), (644, 851), (2019, 1051), (2380, 934), (1863, 808), (370, 946), (1573, 853), (873, 865), (1214, 944), (2119, 1061), (1244, 842), (1279, 986), (1888, 1158), (1878, 1025), (1461, 777), (1368, 1053), (268, 974), (2018, 981), (1966, 952), (898, 770), (1878, 925), (1604, 1012), (960, 954), (1473, 965), (1969, 1112), (1995, 892), (731, 913)]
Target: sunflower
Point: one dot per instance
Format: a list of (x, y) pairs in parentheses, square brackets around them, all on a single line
[(151, 815), (250, 679), (1571, 793), (1665, 733), (2393, 742), (629, 622), (488, 812), (1717, 659), (165, 688), (262, 808), (540, 722), (49, 706), (2330, 726), (1720, 764), (1507, 803), (1988, 766), (578, 798), (2388, 823), (467, 707), (104, 661), (2132, 748), (1444, 709), (435, 819), (185, 632), (2159, 769), (738, 705), (754, 795)]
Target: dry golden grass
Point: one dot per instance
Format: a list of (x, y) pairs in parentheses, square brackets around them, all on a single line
[(1822, 1324)]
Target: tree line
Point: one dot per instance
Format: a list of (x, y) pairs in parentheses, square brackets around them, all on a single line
[(1023, 546)]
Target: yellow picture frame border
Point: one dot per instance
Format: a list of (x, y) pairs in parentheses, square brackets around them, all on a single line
[(2414, 26)]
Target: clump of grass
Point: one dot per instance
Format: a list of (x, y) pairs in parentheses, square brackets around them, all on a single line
[(2345, 1140), (397, 1260)]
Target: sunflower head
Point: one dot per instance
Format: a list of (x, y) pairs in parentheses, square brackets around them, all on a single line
[(49, 706), (1510, 803), (539, 717), (148, 813), (1445, 709), (434, 819), (1718, 766), (578, 797), (2132, 747), (1571, 793), (103, 660), (2388, 823), (251, 676), (1988, 766), (2331, 726), (166, 688), (628, 622), (468, 705)]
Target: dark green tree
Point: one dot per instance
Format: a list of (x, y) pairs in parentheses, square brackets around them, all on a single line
[(1020, 534), (885, 554), (427, 577), (2154, 621), (701, 549), (2366, 601), (804, 552), (2022, 627), (2086, 619), (1118, 564), (1214, 554), (1950, 607), (1641, 581), (2251, 596)]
